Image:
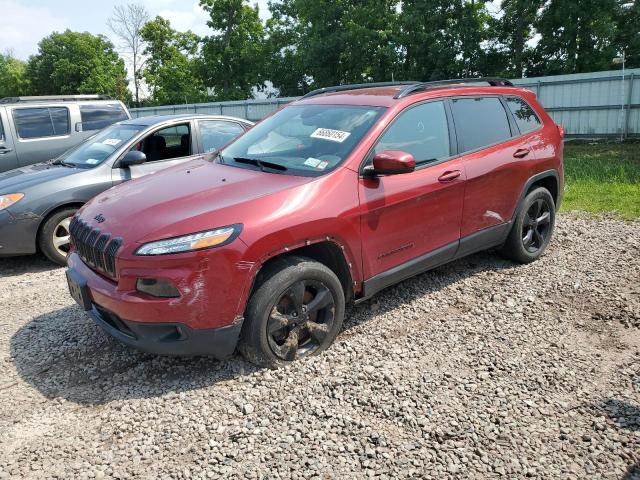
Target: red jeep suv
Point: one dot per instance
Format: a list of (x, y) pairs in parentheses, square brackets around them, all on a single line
[(338, 195)]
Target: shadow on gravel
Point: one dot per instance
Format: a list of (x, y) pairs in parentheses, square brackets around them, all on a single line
[(625, 416), (14, 266), (64, 354)]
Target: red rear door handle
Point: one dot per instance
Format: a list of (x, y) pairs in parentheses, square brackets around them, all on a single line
[(449, 175), (521, 153)]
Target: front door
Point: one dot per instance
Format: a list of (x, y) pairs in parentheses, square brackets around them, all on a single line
[(8, 157), (163, 148), (412, 219)]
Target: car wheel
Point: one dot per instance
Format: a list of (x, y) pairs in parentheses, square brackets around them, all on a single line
[(296, 311), (533, 227), (54, 239)]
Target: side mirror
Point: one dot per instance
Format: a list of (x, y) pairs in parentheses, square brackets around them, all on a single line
[(79, 127), (133, 157), (391, 162)]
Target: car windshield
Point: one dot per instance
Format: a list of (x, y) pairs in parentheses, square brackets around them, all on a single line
[(304, 140), (95, 150)]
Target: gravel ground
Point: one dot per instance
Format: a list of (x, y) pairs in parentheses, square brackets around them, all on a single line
[(479, 369)]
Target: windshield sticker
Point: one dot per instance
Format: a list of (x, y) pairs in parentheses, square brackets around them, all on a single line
[(111, 141), (332, 135), (92, 161), (322, 165), (312, 162)]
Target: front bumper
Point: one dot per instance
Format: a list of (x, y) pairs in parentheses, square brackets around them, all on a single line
[(203, 321), (169, 338), (18, 235)]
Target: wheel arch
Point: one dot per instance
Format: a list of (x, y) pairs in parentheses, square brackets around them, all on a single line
[(49, 213), (549, 179), (327, 252)]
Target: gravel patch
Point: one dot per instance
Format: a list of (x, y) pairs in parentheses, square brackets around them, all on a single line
[(479, 369)]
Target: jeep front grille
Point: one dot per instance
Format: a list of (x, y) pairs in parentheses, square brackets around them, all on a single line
[(97, 249)]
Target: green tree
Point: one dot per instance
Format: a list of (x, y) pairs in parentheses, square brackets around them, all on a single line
[(323, 42), (575, 36), (73, 63), (172, 67), (13, 81), (443, 39), (234, 55), (511, 32), (628, 32)]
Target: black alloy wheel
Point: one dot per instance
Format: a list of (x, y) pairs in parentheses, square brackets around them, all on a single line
[(301, 320), (536, 225)]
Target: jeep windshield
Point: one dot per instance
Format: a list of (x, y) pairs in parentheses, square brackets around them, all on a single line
[(95, 150), (306, 140)]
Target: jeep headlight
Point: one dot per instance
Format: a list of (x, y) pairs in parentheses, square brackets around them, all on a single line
[(9, 199), (194, 241)]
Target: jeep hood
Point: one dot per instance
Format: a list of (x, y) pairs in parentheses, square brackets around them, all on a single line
[(188, 198)]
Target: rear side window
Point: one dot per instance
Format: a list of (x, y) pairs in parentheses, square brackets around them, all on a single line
[(526, 118), (216, 134), (421, 131), (480, 122), (1, 131), (41, 122), (98, 116)]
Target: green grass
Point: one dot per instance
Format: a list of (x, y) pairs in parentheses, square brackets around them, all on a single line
[(602, 177)]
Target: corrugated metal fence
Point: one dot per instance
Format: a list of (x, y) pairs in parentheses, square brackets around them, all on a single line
[(597, 104)]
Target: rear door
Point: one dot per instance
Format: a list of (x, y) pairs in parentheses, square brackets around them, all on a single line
[(493, 153), (164, 147), (407, 216), (8, 158), (215, 134), (42, 132)]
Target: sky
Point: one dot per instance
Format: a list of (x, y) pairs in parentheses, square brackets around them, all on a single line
[(26, 22)]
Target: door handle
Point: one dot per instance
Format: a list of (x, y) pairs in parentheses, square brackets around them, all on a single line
[(450, 175), (5, 150), (521, 153)]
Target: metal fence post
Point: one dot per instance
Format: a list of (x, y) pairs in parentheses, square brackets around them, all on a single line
[(627, 114)]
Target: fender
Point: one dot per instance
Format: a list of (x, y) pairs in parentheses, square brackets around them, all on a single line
[(537, 177)]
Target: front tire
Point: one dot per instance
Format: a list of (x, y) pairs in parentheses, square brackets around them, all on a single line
[(53, 239), (296, 311), (531, 232)]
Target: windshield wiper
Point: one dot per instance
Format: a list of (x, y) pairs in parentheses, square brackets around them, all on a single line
[(62, 162), (260, 163)]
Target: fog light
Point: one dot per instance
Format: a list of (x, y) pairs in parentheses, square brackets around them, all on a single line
[(157, 287)]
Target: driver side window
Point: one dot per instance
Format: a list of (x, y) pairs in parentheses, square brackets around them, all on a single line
[(166, 144), (421, 131)]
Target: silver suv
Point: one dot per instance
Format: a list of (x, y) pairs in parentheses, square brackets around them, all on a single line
[(35, 129)]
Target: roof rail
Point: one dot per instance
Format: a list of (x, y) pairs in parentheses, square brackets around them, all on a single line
[(356, 86), (54, 98), (493, 82)]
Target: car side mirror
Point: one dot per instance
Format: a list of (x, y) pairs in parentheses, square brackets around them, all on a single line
[(133, 157), (391, 162), (79, 127)]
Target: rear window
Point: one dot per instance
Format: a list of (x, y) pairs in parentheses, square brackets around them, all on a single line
[(480, 122), (526, 118), (98, 116), (217, 133), (41, 122), (1, 131)]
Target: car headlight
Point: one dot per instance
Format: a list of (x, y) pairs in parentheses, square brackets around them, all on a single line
[(195, 241), (9, 199)]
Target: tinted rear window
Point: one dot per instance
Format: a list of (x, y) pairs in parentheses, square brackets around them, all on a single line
[(480, 122), (41, 121), (526, 118), (98, 116), (1, 131)]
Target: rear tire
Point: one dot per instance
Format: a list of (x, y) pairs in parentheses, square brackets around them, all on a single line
[(296, 311), (53, 239), (532, 229)]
